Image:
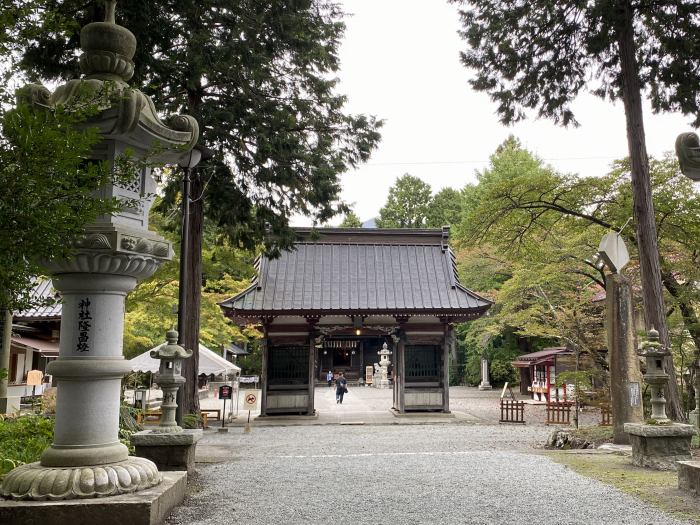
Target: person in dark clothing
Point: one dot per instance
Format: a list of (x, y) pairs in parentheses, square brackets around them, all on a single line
[(340, 388)]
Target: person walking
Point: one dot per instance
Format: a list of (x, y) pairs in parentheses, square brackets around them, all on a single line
[(340, 388), (329, 378)]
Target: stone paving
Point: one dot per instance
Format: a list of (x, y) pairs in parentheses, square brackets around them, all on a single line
[(372, 406), (467, 471)]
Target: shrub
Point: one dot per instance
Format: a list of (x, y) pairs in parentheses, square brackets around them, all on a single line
[(23, 439), (502, 371)]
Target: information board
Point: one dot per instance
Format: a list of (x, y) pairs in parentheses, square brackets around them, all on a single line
[(635, 395), (225, 392)]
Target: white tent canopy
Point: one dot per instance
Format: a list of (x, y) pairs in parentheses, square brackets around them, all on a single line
[(210, 363)]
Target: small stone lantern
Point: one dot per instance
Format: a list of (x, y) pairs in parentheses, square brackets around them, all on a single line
[(384, 363), (169, 379), (656, 377)]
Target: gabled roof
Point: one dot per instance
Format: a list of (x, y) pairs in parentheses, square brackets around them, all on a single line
[(545, 354), (51, 308), (360, 271)]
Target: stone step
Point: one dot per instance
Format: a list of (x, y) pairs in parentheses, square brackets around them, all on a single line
[(689, 476)]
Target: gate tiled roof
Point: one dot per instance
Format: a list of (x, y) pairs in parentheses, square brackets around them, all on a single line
[(343, 271)]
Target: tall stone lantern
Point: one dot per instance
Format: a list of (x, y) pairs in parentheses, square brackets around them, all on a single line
[(660, 443), (86, 458)]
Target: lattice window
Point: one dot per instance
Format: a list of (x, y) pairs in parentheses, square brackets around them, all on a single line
[(422, 362), (288, 365), (133, 185)]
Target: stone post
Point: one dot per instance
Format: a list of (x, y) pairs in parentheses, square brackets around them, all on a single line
[(87, 458), (484, 385), (8, 405), (625, 373)]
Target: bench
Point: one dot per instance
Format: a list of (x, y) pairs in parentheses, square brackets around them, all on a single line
[(215, 414)]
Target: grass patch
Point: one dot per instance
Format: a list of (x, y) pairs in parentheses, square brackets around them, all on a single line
[(658, 488)]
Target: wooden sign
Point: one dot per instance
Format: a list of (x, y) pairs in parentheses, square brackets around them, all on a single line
[(225, 392), (34, 377), (369, 374)]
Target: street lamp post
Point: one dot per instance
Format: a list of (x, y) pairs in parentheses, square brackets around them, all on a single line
[(187, 163)]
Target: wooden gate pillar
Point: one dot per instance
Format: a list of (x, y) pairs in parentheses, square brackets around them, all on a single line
[(447, 333), (312, 322)]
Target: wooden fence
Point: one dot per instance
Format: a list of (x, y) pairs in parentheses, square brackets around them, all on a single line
[(605, 416), (559, 412), (512, 411)]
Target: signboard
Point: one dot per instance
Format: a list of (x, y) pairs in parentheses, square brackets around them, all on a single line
[(635, 395), (249, 379), (225, 392), (250, 400), (34, 377), (369, 374)]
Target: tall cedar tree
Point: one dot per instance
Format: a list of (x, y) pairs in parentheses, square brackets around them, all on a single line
[(259, 76), (539, 55)]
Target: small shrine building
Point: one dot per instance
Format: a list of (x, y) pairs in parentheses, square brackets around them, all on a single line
[(338, 295)]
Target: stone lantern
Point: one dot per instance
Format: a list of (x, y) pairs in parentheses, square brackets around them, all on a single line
[(660, 443), (654, 352), (169, 379), (86, 458), (384, 363)]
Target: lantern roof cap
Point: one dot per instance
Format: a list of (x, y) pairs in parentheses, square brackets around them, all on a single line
[(171, 350)]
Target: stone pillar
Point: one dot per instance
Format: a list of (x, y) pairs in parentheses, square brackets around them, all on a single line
[(8, 405), (625, 373), (484, 385), (86, 458)]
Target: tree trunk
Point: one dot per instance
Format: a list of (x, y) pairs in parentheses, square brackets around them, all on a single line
[(652, 290), (190, 399)]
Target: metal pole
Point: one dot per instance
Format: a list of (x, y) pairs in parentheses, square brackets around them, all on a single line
[(182, 296), (223, 415)]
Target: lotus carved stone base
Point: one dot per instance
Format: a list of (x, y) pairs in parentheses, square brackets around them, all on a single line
[(36, 482)]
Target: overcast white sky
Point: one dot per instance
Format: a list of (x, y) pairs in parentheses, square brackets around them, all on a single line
[(400, 62)]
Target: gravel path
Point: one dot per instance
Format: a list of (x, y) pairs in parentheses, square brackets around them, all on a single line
[(396, 474)]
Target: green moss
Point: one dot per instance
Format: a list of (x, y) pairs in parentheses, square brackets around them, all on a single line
[(658, 488)]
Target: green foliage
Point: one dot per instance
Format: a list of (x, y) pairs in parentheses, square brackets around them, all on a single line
[(540, 55), (149, 311), (191, 420), (444, 209), (407, 205), (502, 371), (351, 221), (23, 439), (46, 191), (260, 78)]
